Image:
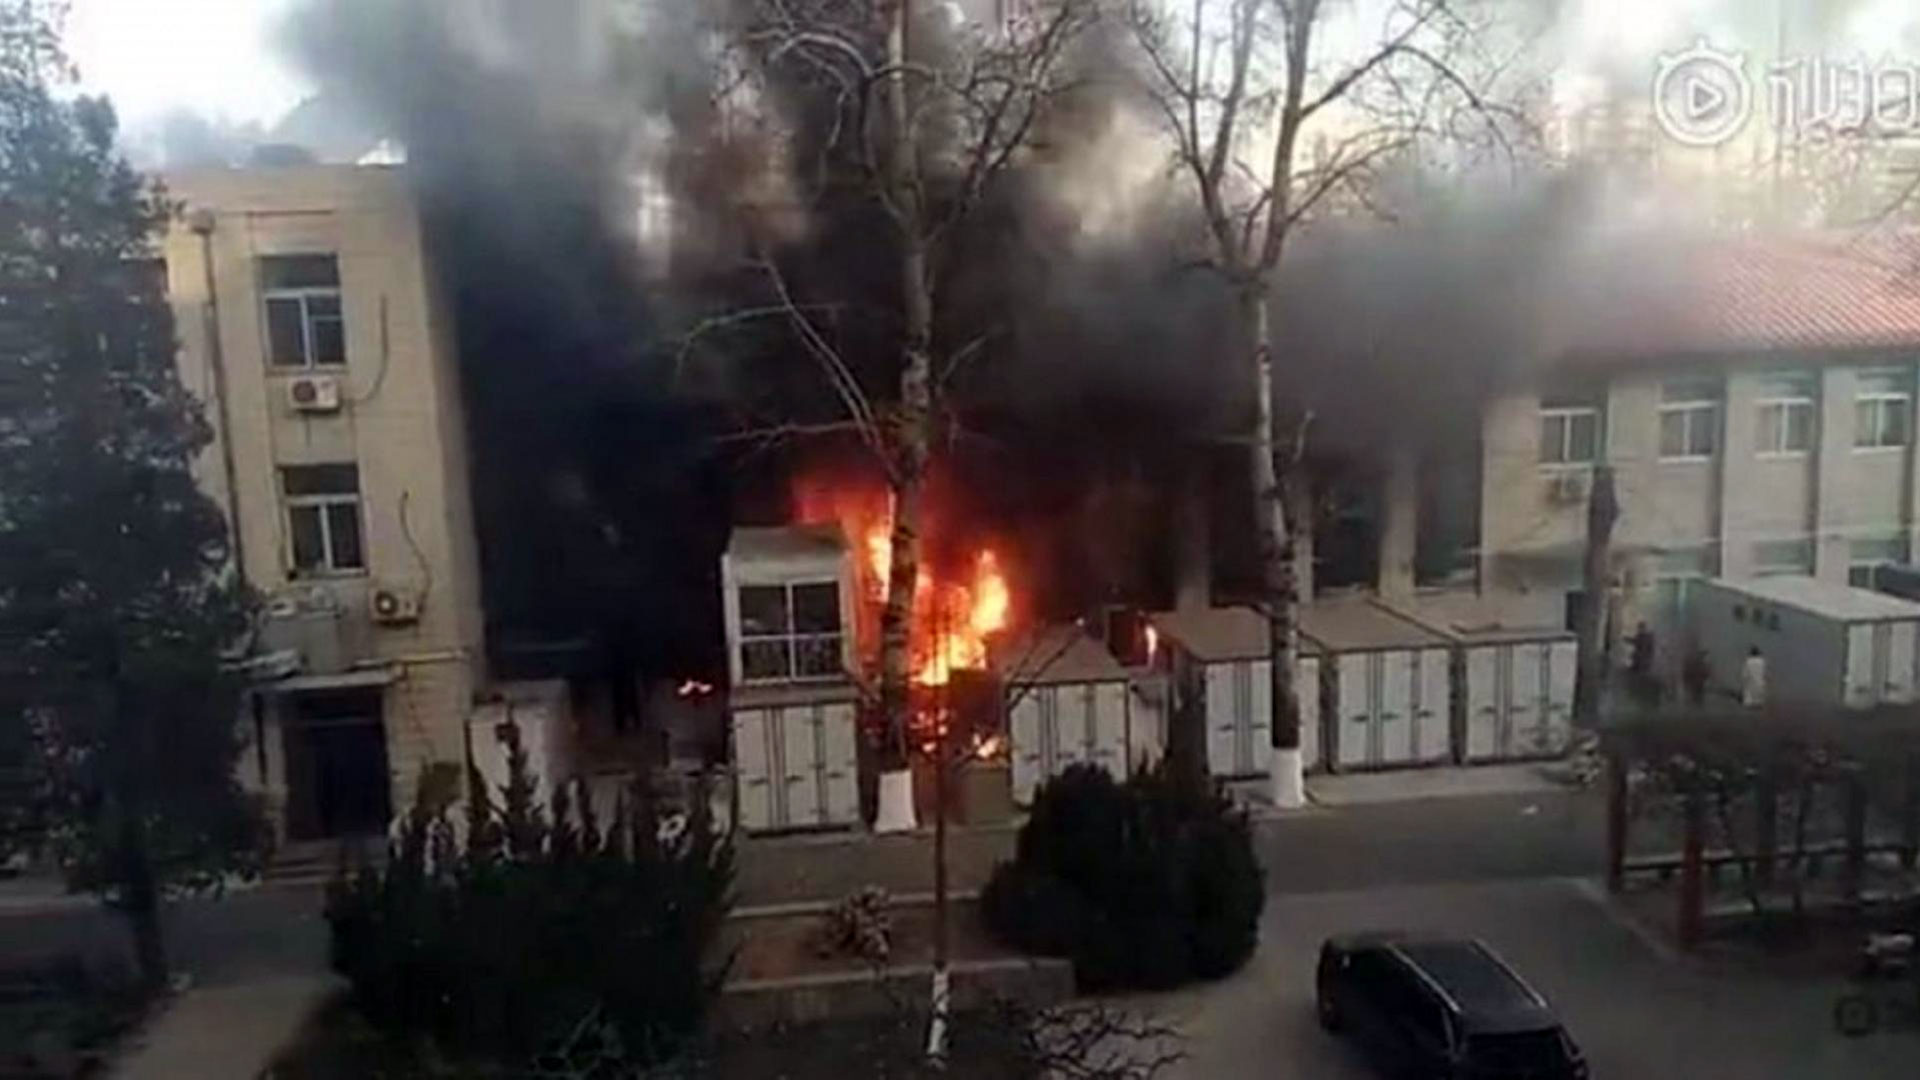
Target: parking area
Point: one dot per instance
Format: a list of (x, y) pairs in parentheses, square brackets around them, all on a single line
[(1637, 1012)]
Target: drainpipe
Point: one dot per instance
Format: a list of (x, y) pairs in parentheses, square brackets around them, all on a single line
[(201, 222)]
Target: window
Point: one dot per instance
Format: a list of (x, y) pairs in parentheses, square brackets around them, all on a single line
[(1867, 554), (790, 631), (1674, 572), (1788, 556), (304, 325), (323, 518), (1569, 432), (1784, 415), (1689, 419), (1881, 409)]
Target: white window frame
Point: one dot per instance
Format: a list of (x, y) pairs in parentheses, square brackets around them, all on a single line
[(1896, 536), (304, 295), (1786, 404), (791, 636), (329, 566), (1680, 583), (1780, 569), (1567, 414), (1897, 400), (1692, 411)]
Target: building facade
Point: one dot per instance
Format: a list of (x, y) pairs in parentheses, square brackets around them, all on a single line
[(1769, 430), (310, 328)]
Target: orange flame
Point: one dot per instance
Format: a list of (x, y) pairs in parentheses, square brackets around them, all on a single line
[(951, 617)]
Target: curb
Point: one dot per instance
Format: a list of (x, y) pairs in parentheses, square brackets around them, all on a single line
[(792, 908)]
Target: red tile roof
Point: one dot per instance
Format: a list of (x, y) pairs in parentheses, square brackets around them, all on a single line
[(1647, 298)]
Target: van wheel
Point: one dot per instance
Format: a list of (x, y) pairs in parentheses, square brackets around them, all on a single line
[(1328, 1012), (1855, 1015)]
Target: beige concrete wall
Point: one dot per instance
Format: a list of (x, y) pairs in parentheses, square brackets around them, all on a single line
[(401, 422), (1530, 544)]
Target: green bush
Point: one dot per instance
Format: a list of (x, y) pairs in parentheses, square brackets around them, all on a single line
[(528, 931), (1146, 884)]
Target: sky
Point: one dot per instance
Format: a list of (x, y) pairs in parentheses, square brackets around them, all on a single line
[(215, 57), (218, 56)]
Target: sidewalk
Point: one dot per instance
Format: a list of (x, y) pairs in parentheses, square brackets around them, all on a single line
[(811, 868), (821, 867), (1439, 782), (224, 1033), (35, 893)]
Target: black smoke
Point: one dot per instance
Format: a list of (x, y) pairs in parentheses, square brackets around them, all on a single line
[(600, 514)]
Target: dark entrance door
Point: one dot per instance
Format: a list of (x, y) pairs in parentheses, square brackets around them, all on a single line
[(337, 779)]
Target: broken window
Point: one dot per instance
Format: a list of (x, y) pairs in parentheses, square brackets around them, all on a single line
[(790, 631)]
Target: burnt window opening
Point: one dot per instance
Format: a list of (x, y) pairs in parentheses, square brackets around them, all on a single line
[(790, 632)]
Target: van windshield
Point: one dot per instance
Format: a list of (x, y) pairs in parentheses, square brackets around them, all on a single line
[(1516, 1049)]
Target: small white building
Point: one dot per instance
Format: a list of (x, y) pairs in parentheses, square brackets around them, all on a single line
[(1392, 692), (1223, 655), (1823, 643), (1067, 701), (793, 709)]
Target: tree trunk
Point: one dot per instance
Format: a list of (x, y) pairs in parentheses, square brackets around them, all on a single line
[(912, 419), (912, 447), (1279, 586), (896, 615), (140, 902), (1602, 511), (1692, 885)]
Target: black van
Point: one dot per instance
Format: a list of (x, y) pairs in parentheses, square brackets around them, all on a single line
[(1441, 1008)]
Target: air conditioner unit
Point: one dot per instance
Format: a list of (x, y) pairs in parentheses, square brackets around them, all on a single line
[(1568, 487), (305, 622), (394, 605), (314, 394)]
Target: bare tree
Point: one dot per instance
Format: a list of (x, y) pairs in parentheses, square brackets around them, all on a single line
[(919, 110), (1240, 86)]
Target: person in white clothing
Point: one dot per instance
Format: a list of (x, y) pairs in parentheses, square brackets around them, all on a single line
[(1753, 679)]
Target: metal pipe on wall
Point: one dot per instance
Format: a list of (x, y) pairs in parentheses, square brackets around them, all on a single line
[(201, 221)]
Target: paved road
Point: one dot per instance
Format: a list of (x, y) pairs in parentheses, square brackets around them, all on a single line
[(242, 936), (1637, 1013), (1457, 838), (1462, 838)]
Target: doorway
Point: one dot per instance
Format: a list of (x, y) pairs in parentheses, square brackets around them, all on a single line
[(337, 779)]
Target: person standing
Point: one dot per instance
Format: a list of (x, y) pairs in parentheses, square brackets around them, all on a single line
[(1646, 689), (1696, 672), (1753, 679)]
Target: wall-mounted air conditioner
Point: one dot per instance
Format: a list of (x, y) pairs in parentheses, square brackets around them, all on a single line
[(394, 605), (314, 394), (1567, 488), (305, 621)]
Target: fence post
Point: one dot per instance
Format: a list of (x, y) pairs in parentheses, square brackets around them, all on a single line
[(1910, 815), (1766, 839), (1692, 889), (1616, 822), (1856, 856)]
